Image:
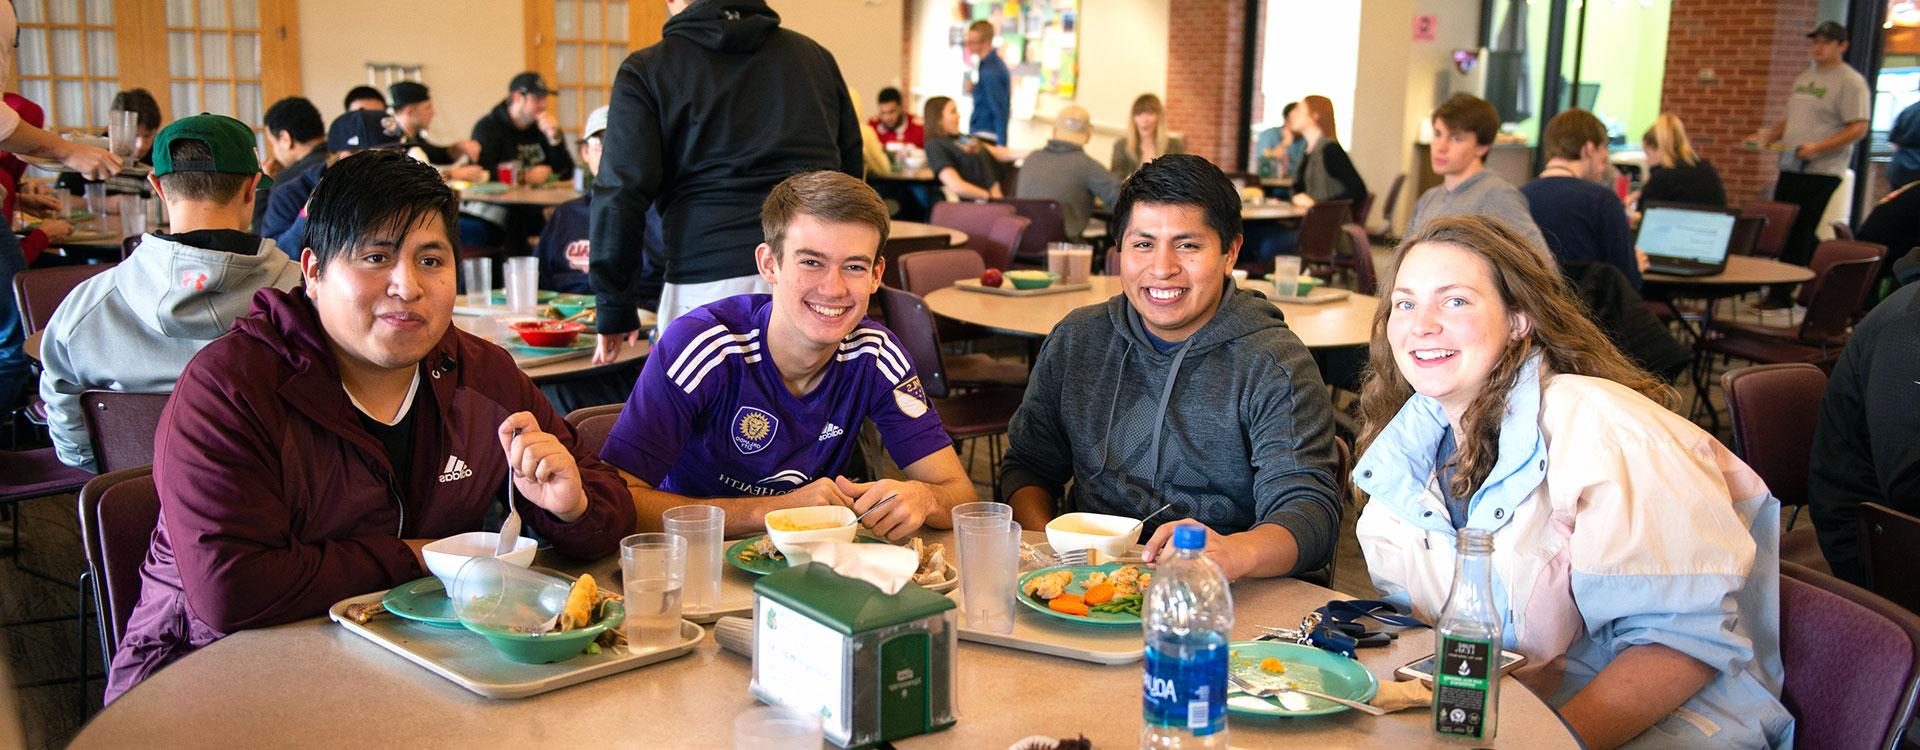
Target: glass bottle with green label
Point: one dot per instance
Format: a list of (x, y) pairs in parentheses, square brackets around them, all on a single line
[(1466, 647)]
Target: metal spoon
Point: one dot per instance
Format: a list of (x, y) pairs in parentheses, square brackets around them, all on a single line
[(876, 506), (1135, 531), (510, 529)]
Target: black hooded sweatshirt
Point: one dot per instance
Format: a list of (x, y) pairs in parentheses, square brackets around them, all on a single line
[(705, 123)]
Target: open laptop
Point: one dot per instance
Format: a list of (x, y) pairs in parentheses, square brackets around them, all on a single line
[(1683, 240)]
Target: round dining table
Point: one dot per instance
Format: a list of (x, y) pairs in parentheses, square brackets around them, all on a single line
[(1340, 323), (551, 369), (524, 195), (1742, 272), (313, 683)]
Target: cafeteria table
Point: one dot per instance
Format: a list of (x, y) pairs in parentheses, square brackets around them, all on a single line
[(524, 195), (1343, 323), (550, 370), (312, 683)]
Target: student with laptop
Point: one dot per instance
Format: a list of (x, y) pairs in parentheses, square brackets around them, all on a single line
[(1582, 220), (1685, 240)]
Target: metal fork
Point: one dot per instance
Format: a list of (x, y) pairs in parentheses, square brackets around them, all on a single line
[(1291, 687), (1091, 556)]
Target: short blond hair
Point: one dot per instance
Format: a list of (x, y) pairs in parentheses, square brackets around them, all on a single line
[(825, 195)]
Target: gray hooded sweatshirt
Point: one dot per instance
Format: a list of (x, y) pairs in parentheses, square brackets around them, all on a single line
[(133, 328), (1233, 425)]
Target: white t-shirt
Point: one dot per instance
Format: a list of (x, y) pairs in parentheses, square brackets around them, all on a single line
[(1823, 102)]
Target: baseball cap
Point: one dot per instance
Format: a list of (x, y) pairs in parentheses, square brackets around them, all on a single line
[(229, 140), (530, 83), (363, 129), (403, 93), (1830, 30), (596, 122)]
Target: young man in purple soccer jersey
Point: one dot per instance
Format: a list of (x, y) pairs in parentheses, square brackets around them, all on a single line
[(754, 402)]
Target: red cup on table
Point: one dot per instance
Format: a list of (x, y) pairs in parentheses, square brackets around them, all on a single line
[(509, 173)]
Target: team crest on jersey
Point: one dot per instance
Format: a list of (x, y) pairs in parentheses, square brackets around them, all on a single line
[(753, 429), (911, 398)]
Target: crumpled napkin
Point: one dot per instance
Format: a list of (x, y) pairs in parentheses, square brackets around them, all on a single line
[(1394, 696), (886, 566)]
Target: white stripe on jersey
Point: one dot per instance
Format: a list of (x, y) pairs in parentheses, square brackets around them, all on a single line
[(869, 336), (687, 353), (879, 361), (710, 352), (692, 383)]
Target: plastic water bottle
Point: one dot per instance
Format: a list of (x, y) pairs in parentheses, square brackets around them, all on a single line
[(1466, 647), (1189, 615)]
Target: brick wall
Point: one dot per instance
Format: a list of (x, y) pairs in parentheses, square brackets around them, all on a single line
[(1753, 50), (1205, 39)]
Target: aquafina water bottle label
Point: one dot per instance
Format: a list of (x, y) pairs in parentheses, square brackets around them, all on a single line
[(1189, 693)]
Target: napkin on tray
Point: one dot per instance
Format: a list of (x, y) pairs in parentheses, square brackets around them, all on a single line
[(886, 566)]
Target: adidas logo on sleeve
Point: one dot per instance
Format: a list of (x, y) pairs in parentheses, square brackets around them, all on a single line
[(455, 469)]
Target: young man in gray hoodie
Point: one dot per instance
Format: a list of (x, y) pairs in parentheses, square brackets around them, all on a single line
[(1184, 390), (134, 327)]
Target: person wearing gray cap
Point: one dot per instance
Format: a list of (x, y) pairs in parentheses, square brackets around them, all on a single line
[(1826, 115), (1064, 173), (413, 110)]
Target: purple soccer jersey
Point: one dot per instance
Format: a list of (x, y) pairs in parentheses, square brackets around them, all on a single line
[(710, 416)]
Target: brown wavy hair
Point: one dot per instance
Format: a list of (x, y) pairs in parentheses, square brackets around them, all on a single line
[(1560, 328)]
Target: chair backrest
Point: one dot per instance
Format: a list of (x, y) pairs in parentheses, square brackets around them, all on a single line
[(1841, 230), (1362, 209), (39, 290), (1745, 239), (976, 219), (591, 425), (1889, 550), (1830, 252), (1851, 660), (128, 244), (1773, 409), (121, 427), (1360, 255), (1007, 234), (1113, 260), (1840, 290), (927, 270), (1320, 229), (1393, 200), (1048, 225), (118, 512), (912, 323), (1780, 218)]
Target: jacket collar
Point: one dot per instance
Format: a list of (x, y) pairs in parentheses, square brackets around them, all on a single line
[(1398, 469)]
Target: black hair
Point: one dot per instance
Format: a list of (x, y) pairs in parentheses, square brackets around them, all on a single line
[(1184, 180), (1287, 110), (358, 93), (296, 117), (140, 102), (213, 187), (890, 95), (376, 192)]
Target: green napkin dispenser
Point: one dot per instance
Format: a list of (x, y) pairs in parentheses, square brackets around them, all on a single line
[(875, 667)]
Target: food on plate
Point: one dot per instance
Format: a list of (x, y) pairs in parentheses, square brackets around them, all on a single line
[(992, 277), (1068, 603), (581, 603), (1099, 592), (933, 563), (1127, 580), (1049, 586), (1030, 279), (365, 612), (761, 549), (781, 524), (1271, 665)]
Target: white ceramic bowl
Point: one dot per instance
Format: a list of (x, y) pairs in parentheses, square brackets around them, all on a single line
[(1110, 534), (788, 542), (444, 557)]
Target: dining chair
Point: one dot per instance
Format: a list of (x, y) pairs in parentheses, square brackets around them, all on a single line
[(118, 513), (1361, 209), (1773, 409), (1047, 226), (1889, 550), (1852, 661), (928, 271), (38, 291), (1833, 296), (121, 427), (968, 416), (1780, 218), (1359, 258), (975, 219), (591, 425), (1319, 232), (1841, 229), (1383, 232), (1006, 235)]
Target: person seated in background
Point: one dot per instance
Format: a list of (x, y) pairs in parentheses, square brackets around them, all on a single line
[(1904, 137), (1324, 173), (563, 247), (1064, 173), (146, 123), (1146, 140), (355, 131), (299, 460), (754, 402), (1643, 587), (963, 164), (1463, 132), (364, 97), (134, 327), (1128, 399), (520, 130), (413, 110), (1572, 202), (1279, 149), (1676, 174), (296, 135), (894, 124), (1895, 223)]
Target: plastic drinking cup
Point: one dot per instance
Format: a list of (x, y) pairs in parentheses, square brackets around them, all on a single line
[(702, 526), (477, 274), (489, 591), (653, 570), (523, 284), (1286, 275)]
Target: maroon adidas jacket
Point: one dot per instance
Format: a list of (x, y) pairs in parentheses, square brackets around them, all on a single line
[(275, 502)]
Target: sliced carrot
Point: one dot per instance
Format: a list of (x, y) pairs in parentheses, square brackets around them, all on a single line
[(1099, 593), (1068, 604)]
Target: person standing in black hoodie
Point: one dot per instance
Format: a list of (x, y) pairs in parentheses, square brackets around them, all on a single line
[(703, 125)]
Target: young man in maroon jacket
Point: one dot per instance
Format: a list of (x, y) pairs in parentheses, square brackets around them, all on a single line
[(310, 453)]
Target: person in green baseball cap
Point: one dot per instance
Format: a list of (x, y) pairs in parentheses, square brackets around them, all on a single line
[(135, 326)]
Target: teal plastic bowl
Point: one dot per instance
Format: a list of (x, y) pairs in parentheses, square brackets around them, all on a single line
[(569, 305), (528, 648), (1031, 279)]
